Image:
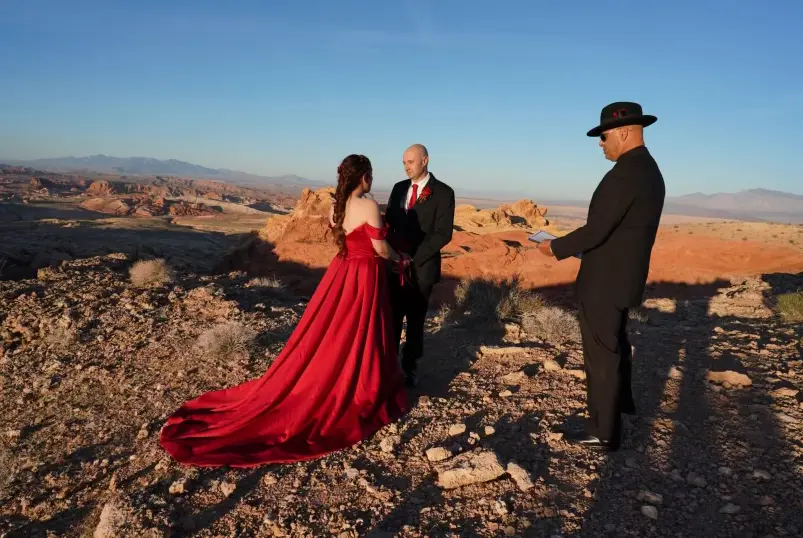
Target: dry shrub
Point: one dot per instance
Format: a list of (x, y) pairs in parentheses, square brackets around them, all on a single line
[(482, 301), (226, 340), (552, 324), (638, 314), (790, 306), (265, 282), (150, 273), (442, 317)]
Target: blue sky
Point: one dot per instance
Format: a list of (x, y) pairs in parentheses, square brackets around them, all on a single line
[(501, 92)]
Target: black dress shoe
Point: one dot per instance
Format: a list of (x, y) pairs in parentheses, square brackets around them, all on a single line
[(591, 441)]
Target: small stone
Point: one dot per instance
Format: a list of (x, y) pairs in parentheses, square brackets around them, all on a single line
[(389, 443), (650, 497), (551, 366), (520, 476), (610, 527), (469, 468), (729, 508), (785, 392), (761, 474), (514, 378), (649, 511), (510, 531), (352, 473), (579, 374), (675, 373), (729, 377), (438, 453), (227, 488), (725, 471), (505, 394), (457, 429), (489, 430), (500, 508), (179, 486)]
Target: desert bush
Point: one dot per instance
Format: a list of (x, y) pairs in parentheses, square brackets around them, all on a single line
[(552, 324), (482, 301), (265, 282), (638, 314), (226, 340), (443, 316), (790, 305), (150, 273)]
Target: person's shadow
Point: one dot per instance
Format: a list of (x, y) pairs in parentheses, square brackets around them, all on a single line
[(703, 446)]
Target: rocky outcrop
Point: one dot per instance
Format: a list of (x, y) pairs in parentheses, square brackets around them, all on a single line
[(110, 206), (101, 188), (521, 214), (529, 211), (145, 206), (307, 223)]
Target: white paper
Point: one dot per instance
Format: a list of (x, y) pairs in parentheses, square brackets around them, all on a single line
[(541, 236)]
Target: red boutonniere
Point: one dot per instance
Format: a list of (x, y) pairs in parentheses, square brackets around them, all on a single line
[(425, 194)]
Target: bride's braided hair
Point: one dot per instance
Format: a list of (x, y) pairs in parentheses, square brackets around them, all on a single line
[(349, 176)]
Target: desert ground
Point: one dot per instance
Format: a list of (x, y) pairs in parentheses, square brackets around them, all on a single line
[(119, 304)]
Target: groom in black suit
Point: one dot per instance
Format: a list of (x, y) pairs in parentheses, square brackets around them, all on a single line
[(616, 245), (420, 216)]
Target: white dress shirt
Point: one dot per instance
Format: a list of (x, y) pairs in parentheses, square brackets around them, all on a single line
[(421, 185)]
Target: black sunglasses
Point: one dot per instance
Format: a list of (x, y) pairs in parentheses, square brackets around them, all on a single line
[(603, 137)]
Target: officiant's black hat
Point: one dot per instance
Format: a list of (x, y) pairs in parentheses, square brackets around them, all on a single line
[(620, 114)]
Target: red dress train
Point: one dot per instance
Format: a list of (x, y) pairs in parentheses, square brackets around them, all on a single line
[(335, 383)]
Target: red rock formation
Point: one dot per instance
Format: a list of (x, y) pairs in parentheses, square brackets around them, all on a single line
[(307, 223), (100, 188)]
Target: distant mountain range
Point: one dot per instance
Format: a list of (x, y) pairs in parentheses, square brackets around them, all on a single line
[(751, 204), (152, 167)]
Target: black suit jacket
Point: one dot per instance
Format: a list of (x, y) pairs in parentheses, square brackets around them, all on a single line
[(424, 230), (616, 241)]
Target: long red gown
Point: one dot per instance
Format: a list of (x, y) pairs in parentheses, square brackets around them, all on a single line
[(335, 383)]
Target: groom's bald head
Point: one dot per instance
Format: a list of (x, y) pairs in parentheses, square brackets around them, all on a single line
[(416, 161)]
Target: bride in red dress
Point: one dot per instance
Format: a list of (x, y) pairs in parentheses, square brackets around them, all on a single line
[(337, 380)]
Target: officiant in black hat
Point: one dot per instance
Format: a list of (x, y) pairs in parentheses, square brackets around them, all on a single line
[(616, 244)]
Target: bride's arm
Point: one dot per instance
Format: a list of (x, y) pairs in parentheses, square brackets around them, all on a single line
[(374, 219)]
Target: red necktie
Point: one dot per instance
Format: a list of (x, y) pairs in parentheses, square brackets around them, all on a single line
[(413, 198)]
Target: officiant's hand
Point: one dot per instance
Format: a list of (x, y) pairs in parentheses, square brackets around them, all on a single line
[(545, 247)]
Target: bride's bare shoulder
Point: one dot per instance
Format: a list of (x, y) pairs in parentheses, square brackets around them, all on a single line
[(366, 204)]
